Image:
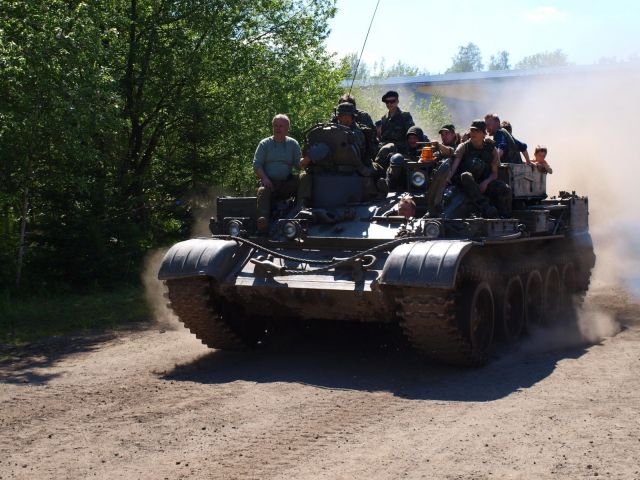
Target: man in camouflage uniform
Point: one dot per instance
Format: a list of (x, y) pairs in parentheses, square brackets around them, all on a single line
[(273, 163), (345, 115), (475, 170), (507, 148), (360, 116), (395, 122), (410, 149)]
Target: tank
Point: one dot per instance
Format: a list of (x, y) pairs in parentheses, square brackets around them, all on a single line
[(457, 284)]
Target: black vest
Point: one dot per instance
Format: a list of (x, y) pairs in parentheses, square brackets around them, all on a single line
[(477, 161)]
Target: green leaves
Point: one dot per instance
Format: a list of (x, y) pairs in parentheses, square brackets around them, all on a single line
[(114, 114)]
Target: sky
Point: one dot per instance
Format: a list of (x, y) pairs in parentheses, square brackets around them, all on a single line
[(428, 34)]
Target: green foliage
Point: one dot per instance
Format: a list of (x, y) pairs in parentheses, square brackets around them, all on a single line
[(432, 116), (499, 61), (399, 69), (468, 59), (115, 114), (556, 58), (24, 320), (379, 70)]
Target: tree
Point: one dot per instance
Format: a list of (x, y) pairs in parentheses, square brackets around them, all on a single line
[(399, 69), (556, 58), (499, 61), (468, 59), (114, 113), (350, 62)]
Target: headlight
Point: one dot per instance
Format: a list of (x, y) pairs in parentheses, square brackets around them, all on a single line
[(234, 227), (418, 179), (290, 230), (432, 229)]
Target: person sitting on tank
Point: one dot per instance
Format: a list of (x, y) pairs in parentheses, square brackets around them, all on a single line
[(520, 146), (360, 116), (507, 149), (475, 171), (339, 152), (346, 113), (449, 141), (274, 160), (540, 159), (411, 149)]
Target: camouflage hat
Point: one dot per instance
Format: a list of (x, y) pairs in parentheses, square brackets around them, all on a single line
[(447, 128), (478, 125), (417, 131), (346, 108), (390, 94)]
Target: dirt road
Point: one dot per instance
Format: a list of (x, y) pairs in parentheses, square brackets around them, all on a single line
[(156, 404)]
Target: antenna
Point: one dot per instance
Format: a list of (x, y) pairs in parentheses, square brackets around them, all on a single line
[(355, 73)]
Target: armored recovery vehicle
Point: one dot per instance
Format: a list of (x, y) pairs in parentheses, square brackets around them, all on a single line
[(454, 285)]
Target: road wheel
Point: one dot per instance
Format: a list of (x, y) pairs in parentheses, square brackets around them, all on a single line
[(534, 303), (512, 315), (552, 296), (477, 319), (569, 288)]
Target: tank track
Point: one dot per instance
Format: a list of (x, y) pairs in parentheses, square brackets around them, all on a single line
[(429, 323), (190, 299), (429, 320)]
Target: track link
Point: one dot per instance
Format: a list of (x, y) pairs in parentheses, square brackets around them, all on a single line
[(190, 299), (429, 323)]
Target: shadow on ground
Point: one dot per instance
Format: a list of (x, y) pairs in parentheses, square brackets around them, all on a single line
[(23, 364), (377, 368)]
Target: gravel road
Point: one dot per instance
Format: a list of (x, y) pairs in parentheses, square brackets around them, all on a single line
[(152, 402)]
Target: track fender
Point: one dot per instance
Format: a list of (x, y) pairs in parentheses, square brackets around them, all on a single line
[(432, 264), (201, 256)]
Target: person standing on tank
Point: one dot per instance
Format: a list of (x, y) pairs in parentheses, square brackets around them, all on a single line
[(273, 163), (395, 123)]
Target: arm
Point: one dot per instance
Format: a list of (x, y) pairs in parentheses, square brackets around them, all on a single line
[(296, 157), (304, 162), (456, 161), (258, 165), (501, 144), (522, 148), (444, 149), (495, 163)]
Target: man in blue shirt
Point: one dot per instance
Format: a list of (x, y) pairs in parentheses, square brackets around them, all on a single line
[(507, 149), (273, 162)]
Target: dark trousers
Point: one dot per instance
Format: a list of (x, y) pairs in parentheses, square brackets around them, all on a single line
[(281, 189)]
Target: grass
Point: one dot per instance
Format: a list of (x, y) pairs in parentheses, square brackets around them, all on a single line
[(25, 320)]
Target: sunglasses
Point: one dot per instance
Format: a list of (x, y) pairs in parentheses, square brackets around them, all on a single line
[(391, 102)]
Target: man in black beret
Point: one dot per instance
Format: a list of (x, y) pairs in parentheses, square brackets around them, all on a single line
[(395, 122)]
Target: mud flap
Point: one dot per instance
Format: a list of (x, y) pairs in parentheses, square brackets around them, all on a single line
[(202, 256), (431, 264)]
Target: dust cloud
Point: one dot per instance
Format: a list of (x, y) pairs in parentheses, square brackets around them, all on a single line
[(202, 206), (587, 120), (155, 291)]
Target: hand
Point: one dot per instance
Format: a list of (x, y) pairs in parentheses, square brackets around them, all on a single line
[(266, 182)]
